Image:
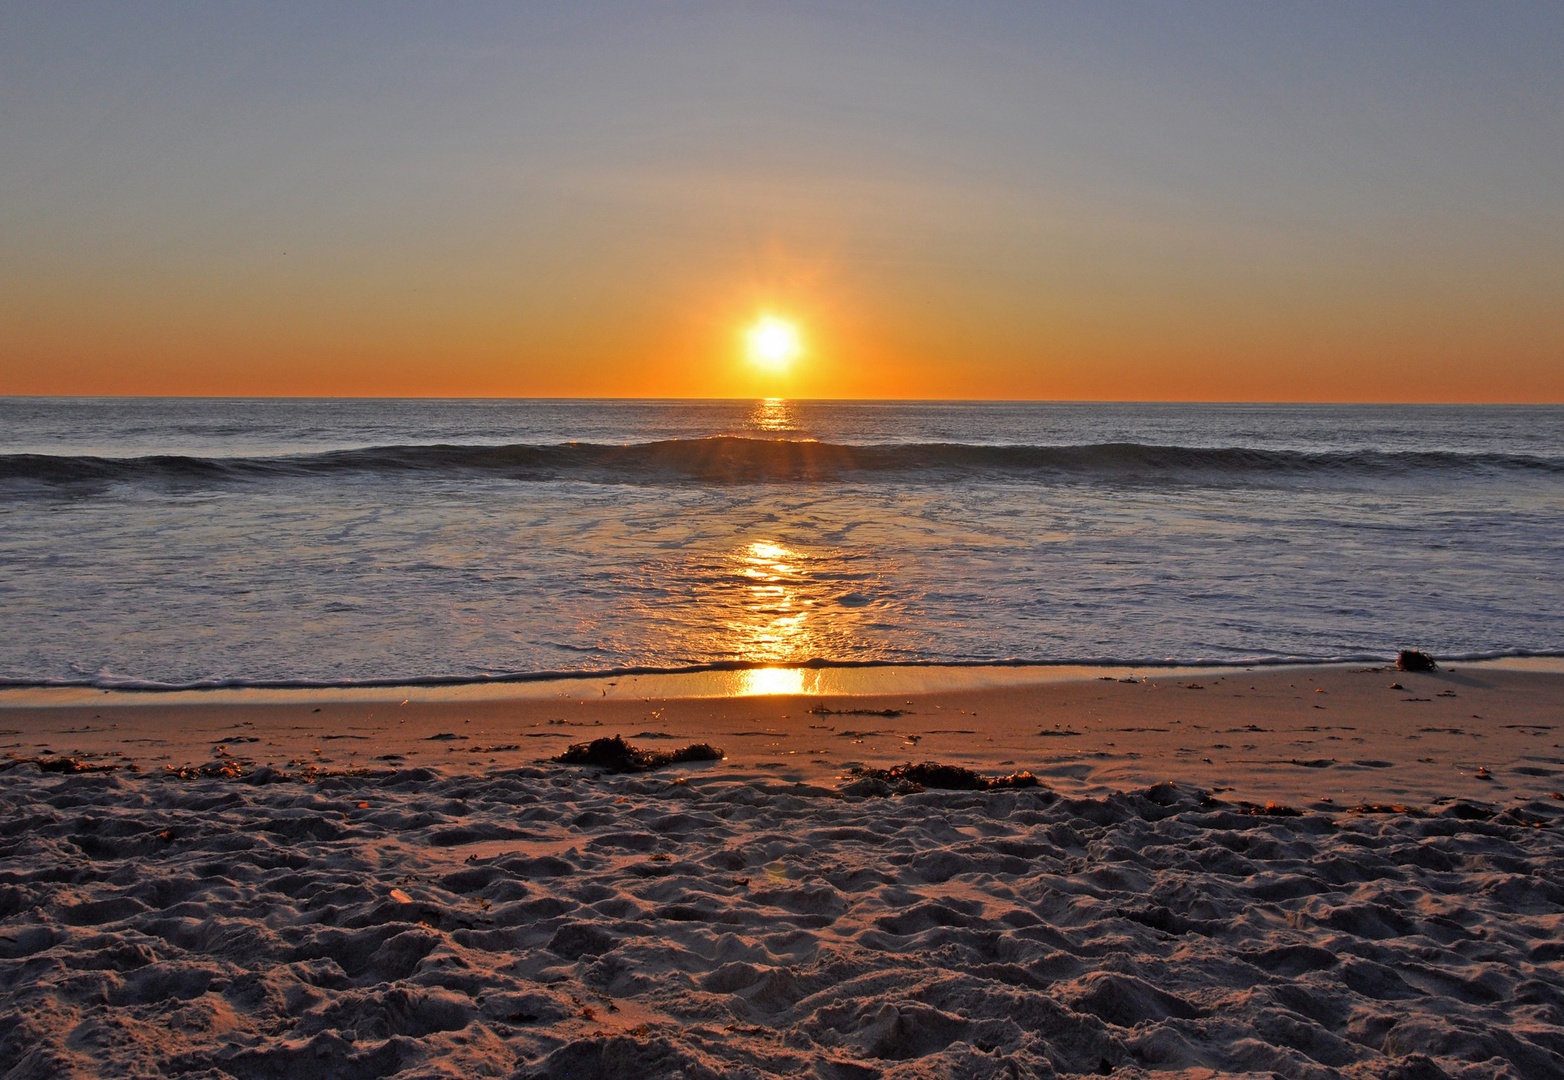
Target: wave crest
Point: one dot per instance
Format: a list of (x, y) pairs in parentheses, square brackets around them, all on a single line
[(726, 459)]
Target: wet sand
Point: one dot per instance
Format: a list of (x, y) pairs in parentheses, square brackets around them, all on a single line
[(1336, 735)]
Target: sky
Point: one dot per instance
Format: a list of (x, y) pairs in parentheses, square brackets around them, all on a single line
[(1320, 201)]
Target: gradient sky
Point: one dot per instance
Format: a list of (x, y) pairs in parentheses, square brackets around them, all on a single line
[(1204, 201)]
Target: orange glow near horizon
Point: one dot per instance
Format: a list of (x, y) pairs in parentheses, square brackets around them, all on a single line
[(856, 332), (842, 336)]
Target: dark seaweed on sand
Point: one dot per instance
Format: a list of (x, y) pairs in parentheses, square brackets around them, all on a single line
[(618, 756), (934, 774), (821, 710)]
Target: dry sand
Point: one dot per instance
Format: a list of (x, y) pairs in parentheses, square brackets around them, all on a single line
[(1296, 872)]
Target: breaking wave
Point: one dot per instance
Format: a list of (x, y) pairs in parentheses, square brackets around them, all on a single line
[(738, 460)]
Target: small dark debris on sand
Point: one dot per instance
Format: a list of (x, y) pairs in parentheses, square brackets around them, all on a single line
[(227, 767), (1270, 809), (1412, 660), (64, 765), (909, 778), (821, 710), (222, 768), (1207, 801), (618, 756)]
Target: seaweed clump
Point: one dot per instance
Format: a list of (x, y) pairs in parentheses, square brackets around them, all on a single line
[(616, 755), (904, 779)]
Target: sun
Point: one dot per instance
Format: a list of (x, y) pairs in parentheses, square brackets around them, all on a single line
[(773, 343)]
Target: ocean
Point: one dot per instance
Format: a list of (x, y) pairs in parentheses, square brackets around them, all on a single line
[(178, 543)]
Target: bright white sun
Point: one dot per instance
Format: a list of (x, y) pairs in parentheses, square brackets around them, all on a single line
[(773, 343)]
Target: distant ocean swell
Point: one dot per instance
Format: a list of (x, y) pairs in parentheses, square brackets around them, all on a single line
[(739, 460)]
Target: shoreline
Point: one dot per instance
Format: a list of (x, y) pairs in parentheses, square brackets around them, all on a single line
[(737, 679)]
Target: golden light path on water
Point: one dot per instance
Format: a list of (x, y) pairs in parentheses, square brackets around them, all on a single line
[(774, 621), (773, 415), (777, 620)]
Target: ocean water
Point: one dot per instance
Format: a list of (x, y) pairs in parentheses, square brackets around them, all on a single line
[(149, 542)]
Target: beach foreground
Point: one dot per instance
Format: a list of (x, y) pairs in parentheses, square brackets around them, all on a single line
[(1294, 872)]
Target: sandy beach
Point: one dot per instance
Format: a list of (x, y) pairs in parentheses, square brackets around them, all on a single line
[(604, 541), (1299, 872)]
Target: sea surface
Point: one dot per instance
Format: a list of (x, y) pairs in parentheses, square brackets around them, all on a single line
[(150, 543)]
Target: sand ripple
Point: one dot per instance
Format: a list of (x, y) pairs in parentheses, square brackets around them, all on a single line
[(544, 922)]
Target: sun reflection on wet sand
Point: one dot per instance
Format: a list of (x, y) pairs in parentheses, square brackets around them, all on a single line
[(758, 682)]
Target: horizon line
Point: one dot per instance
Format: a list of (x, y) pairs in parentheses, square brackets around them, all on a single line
[(801, 400)]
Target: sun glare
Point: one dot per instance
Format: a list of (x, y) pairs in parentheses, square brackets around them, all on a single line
[(773, 343), (763, 682)]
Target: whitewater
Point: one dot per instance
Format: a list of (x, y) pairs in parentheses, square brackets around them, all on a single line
[(148, 542)]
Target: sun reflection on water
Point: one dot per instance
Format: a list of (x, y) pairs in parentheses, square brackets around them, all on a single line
[(768, 604), (775, 416), (776, 621), (772, 623)]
